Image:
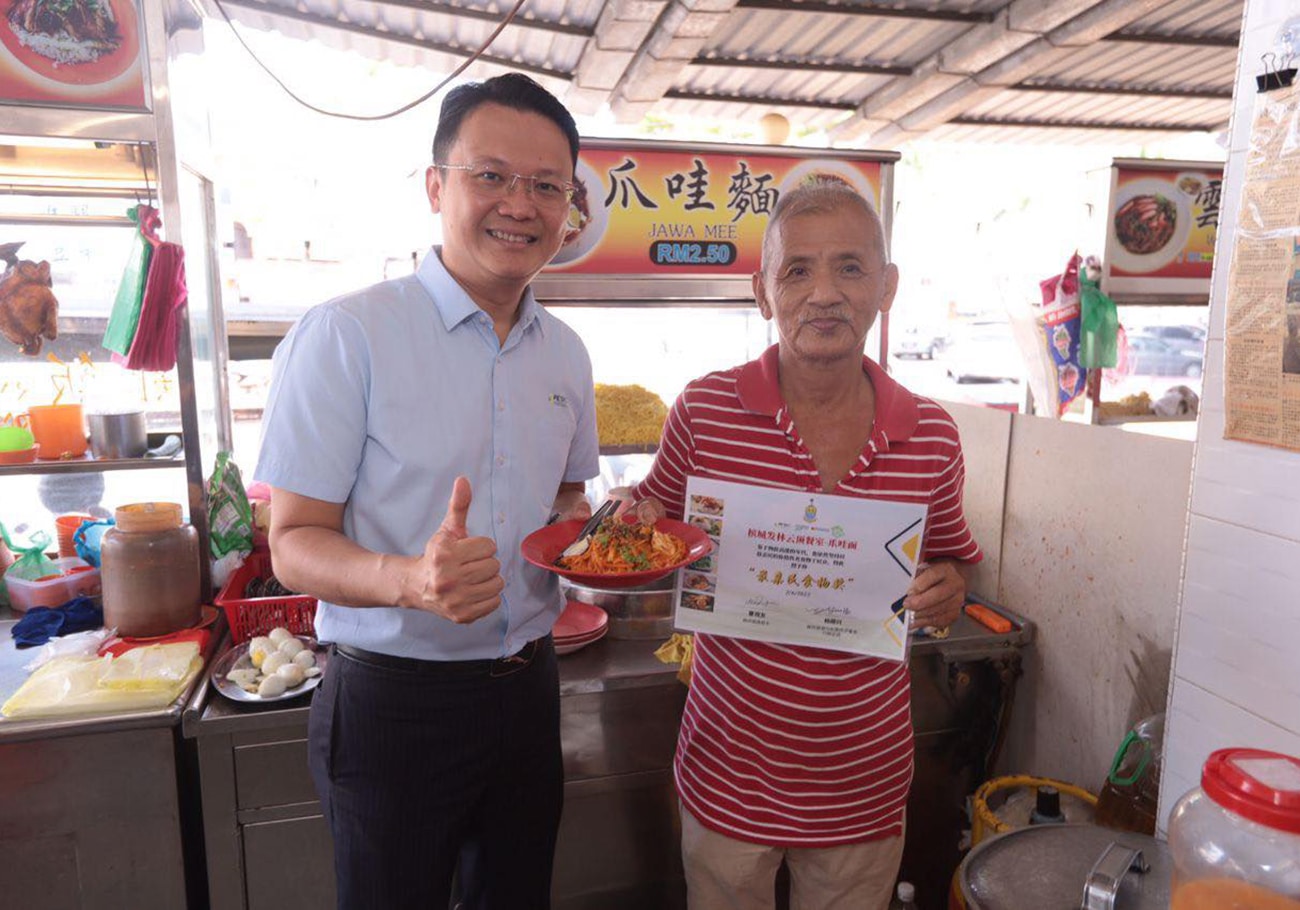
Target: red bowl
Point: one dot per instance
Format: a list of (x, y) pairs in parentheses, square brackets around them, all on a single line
[(543, 545), (20, 456), (580, 622)]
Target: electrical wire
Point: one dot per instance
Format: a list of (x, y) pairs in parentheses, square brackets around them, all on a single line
[(370, 117)]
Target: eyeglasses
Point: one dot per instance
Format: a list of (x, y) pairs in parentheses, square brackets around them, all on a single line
[(492, 184)]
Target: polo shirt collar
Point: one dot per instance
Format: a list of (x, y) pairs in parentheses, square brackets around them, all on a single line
[(759, 389), (452, 302)]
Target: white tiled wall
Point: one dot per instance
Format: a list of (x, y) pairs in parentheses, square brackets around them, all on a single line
[(1236, 678)]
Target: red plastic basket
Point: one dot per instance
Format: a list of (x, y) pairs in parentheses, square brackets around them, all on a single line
[(250, 616)]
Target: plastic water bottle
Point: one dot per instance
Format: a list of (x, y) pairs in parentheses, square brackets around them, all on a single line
[(904, 897)]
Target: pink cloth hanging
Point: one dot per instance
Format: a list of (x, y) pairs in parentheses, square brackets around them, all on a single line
[(165, 294)]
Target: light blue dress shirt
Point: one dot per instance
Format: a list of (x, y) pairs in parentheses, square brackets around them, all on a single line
[(380, 398)]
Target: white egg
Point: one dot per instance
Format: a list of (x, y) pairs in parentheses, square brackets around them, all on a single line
[(258, 648), (273, 662), (243, 677), (272, 686), (292, 674), (305, 659), (279, 634), (291, 646)]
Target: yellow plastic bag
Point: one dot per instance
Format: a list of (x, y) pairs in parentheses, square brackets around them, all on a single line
[(149, 677)]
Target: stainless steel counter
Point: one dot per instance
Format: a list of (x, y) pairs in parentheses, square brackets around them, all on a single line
[(603, 667), (92, 805)]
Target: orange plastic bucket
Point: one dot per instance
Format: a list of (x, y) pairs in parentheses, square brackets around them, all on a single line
[(59, 430), (67, 525)]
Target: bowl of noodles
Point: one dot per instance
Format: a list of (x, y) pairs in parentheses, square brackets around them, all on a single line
[(623, 553), (1151, 224)]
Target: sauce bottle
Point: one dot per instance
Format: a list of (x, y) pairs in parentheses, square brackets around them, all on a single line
[(1128, 798), (150, 571)]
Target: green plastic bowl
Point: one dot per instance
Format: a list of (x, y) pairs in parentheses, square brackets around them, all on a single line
[(13, 439)]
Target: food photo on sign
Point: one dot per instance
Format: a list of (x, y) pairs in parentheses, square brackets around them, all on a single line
[(73, 52), (1161, 226)]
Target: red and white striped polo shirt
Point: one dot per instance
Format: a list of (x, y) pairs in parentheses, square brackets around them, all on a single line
[(793, 745)]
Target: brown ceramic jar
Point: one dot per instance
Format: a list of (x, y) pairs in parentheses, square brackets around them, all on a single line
[(150, 571)]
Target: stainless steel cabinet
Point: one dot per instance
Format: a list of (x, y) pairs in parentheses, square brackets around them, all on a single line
[(268, 847), (619, 848)]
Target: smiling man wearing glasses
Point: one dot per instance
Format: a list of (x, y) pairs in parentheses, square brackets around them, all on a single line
[(415, 432)]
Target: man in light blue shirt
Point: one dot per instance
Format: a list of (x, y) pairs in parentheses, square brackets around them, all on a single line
[(416, 431)]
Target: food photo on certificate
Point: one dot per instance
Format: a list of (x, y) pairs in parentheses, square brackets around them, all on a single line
[(795, 567)]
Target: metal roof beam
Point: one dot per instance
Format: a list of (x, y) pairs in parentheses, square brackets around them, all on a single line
[(395, 37), (1232, 41), (1076, 89), (1084, 125), (805, 66), (765, 100), (467, 12), (873, 10)]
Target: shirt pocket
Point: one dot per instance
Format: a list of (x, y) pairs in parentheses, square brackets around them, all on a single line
[(549, 437)]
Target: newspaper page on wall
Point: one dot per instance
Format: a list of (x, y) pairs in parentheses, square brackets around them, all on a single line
[(1262, 329)]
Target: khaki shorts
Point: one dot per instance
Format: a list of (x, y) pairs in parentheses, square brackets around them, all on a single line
[(727, 874)]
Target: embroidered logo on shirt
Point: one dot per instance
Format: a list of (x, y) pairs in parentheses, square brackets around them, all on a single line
[(559, 400)]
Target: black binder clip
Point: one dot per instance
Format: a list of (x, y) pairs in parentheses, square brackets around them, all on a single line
[(1275, 76)]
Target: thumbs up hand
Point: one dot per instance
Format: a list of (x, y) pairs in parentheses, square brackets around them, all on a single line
[(458, 577)]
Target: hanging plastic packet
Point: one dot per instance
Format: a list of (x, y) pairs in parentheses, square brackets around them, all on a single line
[(125, 315), (1099, 338), (165, 293), (1048, 337), (30, 562), (87, 539), (230, 517)]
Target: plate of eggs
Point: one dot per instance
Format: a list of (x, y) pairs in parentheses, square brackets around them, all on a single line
[(271, 667)]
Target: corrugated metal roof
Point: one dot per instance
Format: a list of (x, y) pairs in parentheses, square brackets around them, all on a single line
[(873, 73)]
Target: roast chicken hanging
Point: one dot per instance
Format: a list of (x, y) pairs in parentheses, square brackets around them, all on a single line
[(28, 308)]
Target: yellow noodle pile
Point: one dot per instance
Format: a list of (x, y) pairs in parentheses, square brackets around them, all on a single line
[(628, 415)]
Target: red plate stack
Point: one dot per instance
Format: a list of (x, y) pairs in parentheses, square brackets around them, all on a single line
[(578, 626)]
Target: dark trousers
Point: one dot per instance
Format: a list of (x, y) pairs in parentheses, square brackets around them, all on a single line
[(428, 775)]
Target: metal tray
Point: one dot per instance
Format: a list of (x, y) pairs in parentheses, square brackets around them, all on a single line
[(237, 658)]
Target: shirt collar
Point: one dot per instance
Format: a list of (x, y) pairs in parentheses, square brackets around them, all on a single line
[(454, 304), (759, 389)]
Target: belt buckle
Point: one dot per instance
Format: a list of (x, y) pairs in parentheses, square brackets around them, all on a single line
[(505, 666)]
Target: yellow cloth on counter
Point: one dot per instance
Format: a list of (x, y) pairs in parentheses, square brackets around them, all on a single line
[(680, 649), (147, 677)]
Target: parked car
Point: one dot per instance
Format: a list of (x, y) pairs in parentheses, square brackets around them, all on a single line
[(984, 353), (1153, 356), (921, 344), (1178, 335)]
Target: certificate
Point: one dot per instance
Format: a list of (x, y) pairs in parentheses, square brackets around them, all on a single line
[(802, 568)]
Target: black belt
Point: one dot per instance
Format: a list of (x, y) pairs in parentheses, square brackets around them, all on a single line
[(448, 669)]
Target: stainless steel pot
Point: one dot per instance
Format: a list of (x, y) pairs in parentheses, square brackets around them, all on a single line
[(1044, 867), (636, 613), (121, 435)]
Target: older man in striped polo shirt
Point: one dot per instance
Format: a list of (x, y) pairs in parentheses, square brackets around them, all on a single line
[(792, 752)]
